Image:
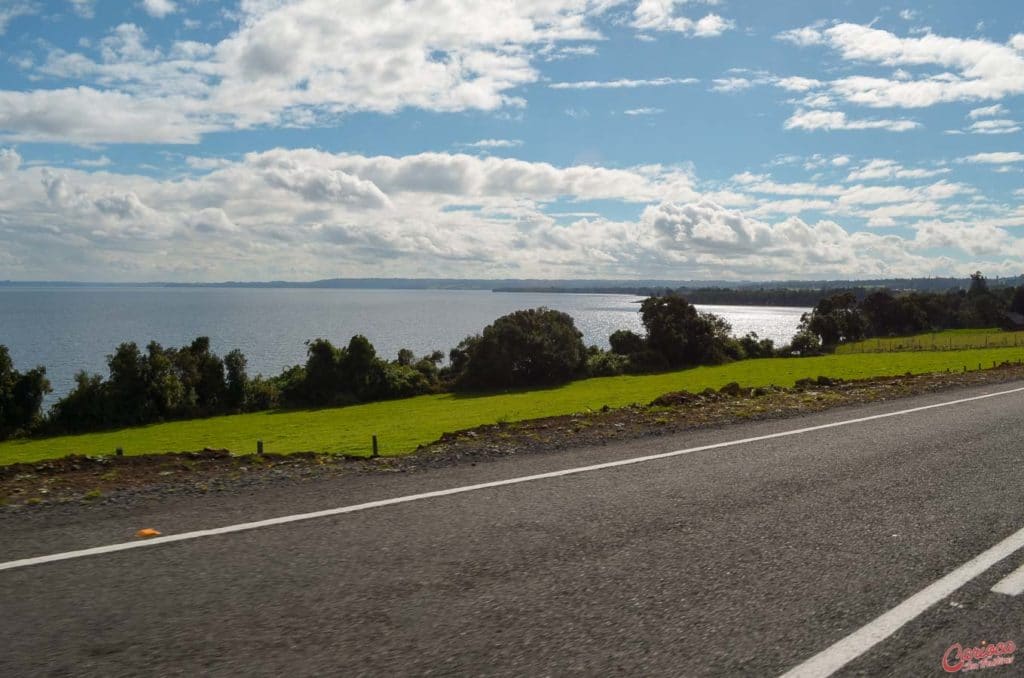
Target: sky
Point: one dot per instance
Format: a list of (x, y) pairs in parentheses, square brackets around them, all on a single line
[(190, 140)]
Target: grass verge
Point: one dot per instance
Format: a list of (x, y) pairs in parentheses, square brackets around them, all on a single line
[(948, 340), (402, 425)]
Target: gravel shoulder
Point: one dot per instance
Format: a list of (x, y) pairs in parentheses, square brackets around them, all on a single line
[(82, 481)]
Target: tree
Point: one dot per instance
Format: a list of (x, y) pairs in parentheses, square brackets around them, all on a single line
[(534, 347), (979, 285), (1017, 305), (128, 385), (683, 336), (21, 396), (835, 319), (237, 380), (625, 342), (323, 379)]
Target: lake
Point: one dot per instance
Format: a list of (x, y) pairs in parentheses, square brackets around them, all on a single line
[(70, 329)]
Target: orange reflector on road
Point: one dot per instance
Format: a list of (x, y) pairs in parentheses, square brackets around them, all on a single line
[(147, 533)]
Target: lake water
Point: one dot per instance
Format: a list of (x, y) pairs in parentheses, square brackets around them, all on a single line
[(70, 329)]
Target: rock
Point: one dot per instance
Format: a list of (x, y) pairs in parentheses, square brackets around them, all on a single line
[(731, 389), (674, 399)]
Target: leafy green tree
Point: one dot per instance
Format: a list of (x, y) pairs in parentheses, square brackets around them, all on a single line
[(237, 380), (21, 396), (626, 342), (979, 285), (755, 347), (86, 407), (323, 375), (534, 347), (683, 336), (1017, 304), (128, 385), (835, 319)]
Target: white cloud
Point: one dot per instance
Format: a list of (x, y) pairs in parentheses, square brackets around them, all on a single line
[(623, 84), (495, 143), (9, 160), (993, 111), (798, 84), (102, 161), (659, 15), (837, 120), (83, 8), (12, 9), (803, 37), (729, 85), (998, 157), (908, 14), (301, 214), (980, 69), (89, 116), (158, 8), (644, 111), (879, 168), (994, 127), (300, 63)]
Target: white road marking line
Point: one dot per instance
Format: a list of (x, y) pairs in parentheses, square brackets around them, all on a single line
[(284, 520), (835, 657), (1012, 584)]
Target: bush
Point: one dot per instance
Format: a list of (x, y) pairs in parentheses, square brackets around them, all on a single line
[(754, 347), (607, 364)]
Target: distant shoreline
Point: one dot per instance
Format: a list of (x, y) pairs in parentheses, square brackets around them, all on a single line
[(590, 286)]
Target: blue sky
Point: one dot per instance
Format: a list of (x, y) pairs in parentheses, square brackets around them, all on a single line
[(301, 139)]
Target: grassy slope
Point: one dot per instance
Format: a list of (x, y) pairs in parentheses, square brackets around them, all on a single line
[(403, 424), (942, 341)]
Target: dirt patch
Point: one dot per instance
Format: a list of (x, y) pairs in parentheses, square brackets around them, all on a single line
[(113, 479)]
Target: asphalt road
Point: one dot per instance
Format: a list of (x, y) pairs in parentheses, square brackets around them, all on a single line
[(741, 560)]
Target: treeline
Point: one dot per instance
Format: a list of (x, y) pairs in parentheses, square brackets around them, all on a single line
[(841, 318), (725, 296), (536, 347)]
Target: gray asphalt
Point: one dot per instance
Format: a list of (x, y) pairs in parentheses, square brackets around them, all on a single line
[(744, 560)]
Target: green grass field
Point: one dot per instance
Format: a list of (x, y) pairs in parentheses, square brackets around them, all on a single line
[(948, 340), (401, 425)]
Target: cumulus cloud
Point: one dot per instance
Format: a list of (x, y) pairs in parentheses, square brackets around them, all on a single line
[(158, 8), (298, 63), (802, 37), (9, 160), (90, 116), (978, 69), (660, 15), (301, 214), (836, 120)]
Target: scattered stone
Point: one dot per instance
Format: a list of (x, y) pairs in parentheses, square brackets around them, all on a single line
[(731, 389)]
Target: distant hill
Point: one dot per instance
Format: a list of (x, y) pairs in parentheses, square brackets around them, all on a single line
[(539, 285)]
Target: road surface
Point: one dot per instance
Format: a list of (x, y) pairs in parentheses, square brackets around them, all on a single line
[(805, 546)]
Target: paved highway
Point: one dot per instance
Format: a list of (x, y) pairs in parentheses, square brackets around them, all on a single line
[(864, 548)]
